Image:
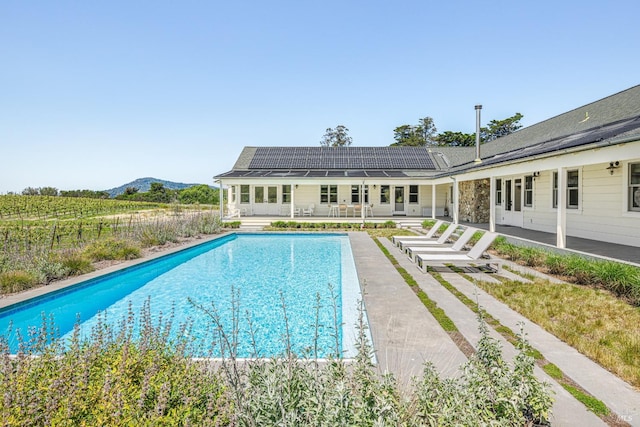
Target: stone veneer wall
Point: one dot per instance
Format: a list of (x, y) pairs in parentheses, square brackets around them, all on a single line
[(474, 201)]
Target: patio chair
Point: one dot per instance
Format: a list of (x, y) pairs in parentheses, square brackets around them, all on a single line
[(444, 237), (309, 211), (342, 208), (396, 239), (368, 210), (456, 247), (473, 257), (357, 210)]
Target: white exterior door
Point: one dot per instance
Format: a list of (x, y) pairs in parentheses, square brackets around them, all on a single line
[(512, 212), (399, 201)]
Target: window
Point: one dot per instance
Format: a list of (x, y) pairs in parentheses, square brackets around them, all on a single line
[(573, 189), (244, 194), (258, 193), (413, 194), (385, 193), (233, 193), (528, 191), (286, 194), (498, 191), (634, 187), (554, 191), (272, 194), (328, 194), (355, 194)]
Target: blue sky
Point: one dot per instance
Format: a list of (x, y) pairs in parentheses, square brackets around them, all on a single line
[(96, 94)]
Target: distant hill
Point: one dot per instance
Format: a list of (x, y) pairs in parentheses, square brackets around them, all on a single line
[(144, 184)]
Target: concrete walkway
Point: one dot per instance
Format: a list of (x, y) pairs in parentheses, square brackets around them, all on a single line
[(404, 334), (622, 398)]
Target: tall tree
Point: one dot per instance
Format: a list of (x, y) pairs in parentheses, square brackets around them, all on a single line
[(416, 136), (498, 128), (338, 137), (456, 139)]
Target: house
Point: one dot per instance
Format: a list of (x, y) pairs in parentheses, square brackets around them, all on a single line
[(575, 174)]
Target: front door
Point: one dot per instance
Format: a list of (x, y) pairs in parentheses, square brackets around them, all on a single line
[(513, 202), (398, 208)]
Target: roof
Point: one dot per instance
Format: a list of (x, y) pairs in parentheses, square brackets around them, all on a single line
[(599, 122), (604, 119), (336, 162)]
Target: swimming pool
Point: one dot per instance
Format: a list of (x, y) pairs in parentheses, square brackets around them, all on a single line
[(307, 274)]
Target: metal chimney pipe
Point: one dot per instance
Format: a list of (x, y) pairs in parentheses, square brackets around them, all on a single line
[(478, 159)]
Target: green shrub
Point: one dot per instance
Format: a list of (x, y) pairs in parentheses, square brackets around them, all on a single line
[(111, 249), (231, 224), (16, 281), (76, 264)]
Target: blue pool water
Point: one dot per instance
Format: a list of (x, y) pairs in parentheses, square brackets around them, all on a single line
[(263, 272)]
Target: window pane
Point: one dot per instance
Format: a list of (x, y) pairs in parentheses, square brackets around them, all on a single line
[(572, 199), (634, 198), (572, 178), (333, 194), (385, 192), (324, 194), (244, 194), (413, 194), (355, 194), (634, 173), (272, 195), (286, 194), (259, 194)]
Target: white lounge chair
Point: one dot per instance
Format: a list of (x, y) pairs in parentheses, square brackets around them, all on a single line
[(457, 247), (444, 237), (472, 257), (396, 239)]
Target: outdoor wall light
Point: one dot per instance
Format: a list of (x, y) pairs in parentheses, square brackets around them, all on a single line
[(536, 174), (613, 166), (296, 186), (374, 186)]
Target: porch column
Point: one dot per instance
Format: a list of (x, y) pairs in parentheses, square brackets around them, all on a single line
[(293, 201), (561, 222), (362, 215), (433, 201), (492, 204), (221, 199), (455, 201)]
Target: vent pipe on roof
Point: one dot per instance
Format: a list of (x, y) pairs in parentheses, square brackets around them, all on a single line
[(478, 159)]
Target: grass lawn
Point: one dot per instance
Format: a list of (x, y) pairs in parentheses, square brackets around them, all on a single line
[(593, 321)]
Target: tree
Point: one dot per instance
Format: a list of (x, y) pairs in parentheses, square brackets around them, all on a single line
[(159, 193), (455, 139), (131, 190), (337, 137), (420, 135), (498, 128), (48, 191), (199, 194), (30, 191)]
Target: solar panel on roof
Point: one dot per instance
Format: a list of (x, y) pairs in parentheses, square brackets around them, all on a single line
[(341, 158)]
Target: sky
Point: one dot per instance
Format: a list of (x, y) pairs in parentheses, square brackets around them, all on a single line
[(94, 94)]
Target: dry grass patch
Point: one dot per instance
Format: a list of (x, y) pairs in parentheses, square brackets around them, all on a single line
[(593, 321)]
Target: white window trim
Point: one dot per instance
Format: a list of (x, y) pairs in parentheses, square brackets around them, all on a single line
[(568, 210), (625, 190), (524, 193)]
